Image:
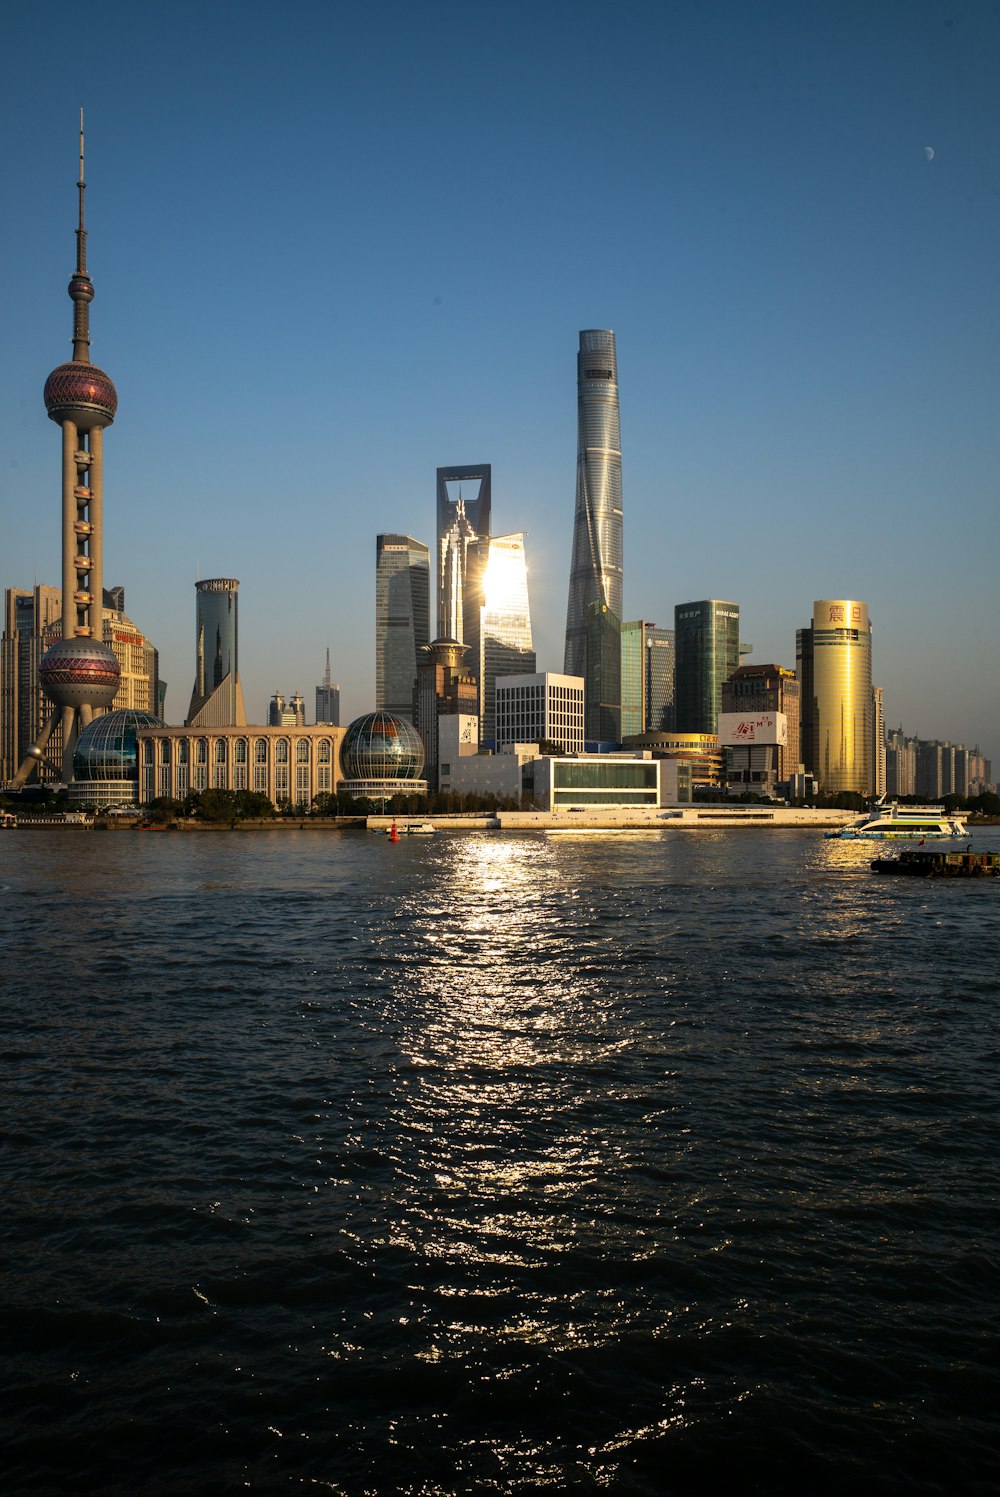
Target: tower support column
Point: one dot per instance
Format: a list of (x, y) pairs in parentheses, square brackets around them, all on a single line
[(70, 442), (95, 514)]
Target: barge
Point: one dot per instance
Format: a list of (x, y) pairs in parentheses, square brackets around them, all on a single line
[(916, 862)]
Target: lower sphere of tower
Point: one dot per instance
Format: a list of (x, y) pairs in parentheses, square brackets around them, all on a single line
[(79, 673), (81, 393)]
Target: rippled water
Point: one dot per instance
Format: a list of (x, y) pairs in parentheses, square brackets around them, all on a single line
[(496, 1164)]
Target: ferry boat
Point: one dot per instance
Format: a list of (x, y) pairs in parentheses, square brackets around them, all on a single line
[(914, 822)]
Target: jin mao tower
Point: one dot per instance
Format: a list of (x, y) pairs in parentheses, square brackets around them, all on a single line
[(79, 674)]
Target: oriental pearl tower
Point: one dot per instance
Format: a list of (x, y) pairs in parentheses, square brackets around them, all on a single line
[(79, 674)]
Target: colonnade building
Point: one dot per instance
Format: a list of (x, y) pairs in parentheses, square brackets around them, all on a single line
[(289, 766)]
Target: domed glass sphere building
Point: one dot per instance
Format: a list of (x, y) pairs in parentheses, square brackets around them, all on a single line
[(382, 755), (106, 760)]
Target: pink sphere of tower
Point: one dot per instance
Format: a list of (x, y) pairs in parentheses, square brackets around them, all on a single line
[(79, 673), (81, 393)]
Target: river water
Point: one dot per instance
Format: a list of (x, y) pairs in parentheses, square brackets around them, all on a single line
[(496, 1163)]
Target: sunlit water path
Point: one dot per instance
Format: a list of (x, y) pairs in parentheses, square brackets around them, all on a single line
[(496, 1164)]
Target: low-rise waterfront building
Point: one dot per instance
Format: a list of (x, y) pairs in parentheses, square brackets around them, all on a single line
[(289, 766), (700, 750)]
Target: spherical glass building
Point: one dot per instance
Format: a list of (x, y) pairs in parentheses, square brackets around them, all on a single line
[(106, 760), (382, 755)]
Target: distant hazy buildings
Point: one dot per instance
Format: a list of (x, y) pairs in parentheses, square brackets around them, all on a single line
[(328, 697), (878, 742), (497, 620), (932, 768), (402, 619), (217, 697), (286, 712), (834, 665), (707, 641), (460, 521), (594, 610), (540, 708)]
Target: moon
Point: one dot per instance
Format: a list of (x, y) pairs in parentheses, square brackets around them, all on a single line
[(929, 152)]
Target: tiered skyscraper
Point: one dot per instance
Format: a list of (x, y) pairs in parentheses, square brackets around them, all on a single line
[(593, 617), (79, 674)]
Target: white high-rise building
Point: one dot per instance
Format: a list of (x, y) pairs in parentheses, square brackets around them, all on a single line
[(538, 707)]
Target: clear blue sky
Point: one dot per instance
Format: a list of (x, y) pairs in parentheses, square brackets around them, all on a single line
[(336, 246)]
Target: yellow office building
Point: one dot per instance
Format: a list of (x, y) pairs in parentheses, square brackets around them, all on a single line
[(834, 657)]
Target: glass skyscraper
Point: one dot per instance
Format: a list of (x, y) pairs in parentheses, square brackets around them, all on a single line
[(660, 674), (603, 682), (834, 660), (460, 521), (497, 621), (402, 619), (595, 579), (217, 698), (647, 678), (707, 641)]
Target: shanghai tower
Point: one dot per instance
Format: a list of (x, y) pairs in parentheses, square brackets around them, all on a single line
[(593, 618)]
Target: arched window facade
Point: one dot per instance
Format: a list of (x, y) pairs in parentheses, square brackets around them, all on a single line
[(302, 796), (240, 764), (260, 765), (324, 761), (281, 769)]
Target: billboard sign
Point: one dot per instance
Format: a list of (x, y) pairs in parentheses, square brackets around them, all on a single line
[(737, 729)]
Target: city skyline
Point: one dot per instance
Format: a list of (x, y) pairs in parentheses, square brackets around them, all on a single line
[(803, 299)]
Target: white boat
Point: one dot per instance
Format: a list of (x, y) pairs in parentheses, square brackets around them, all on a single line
[(913, 822), (420, 829)]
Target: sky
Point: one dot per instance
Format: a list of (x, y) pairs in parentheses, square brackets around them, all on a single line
[(335, 247)]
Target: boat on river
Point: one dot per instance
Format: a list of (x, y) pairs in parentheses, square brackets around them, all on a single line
[(914, 822), (917, 862)]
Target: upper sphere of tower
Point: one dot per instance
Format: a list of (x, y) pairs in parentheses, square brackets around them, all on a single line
[(81, 287), (81, 393), (79, 672)]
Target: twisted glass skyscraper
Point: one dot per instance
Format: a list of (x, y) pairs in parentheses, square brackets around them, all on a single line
[(596, 568)]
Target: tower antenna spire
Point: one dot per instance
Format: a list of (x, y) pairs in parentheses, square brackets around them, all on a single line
[(80, 286), (81, 233)]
